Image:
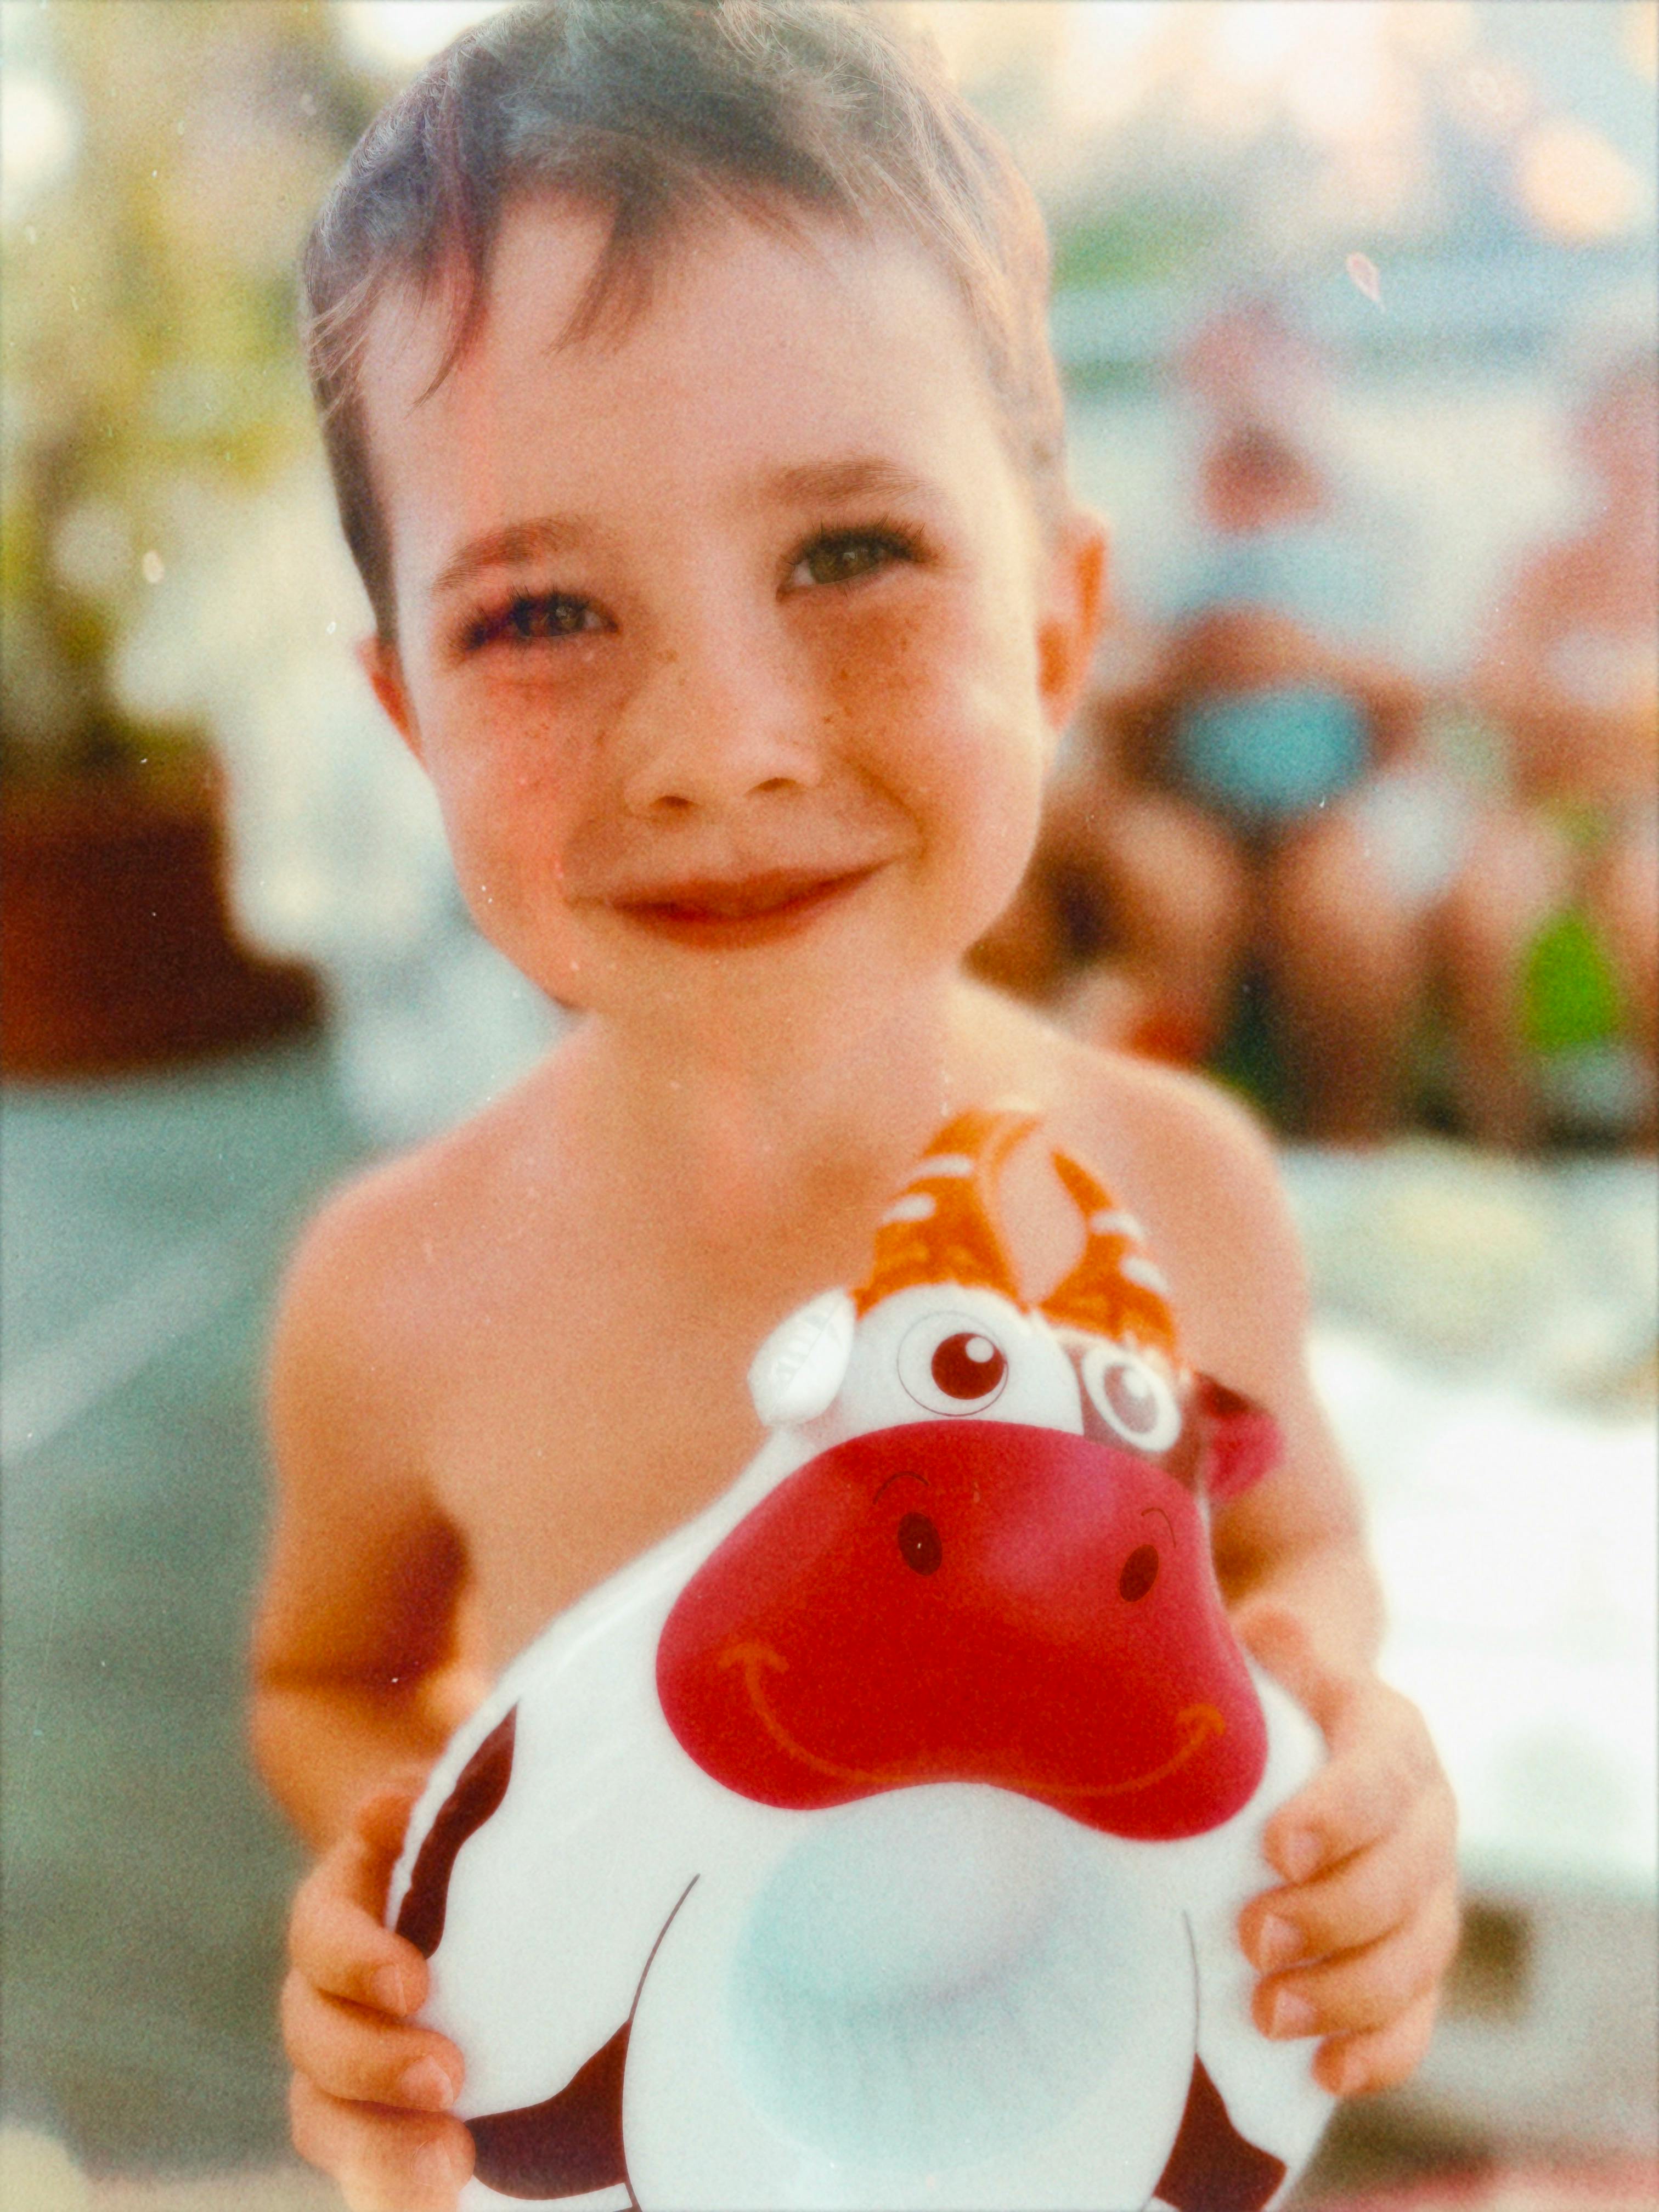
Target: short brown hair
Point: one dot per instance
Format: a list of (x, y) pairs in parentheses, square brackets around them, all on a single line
[(649, 109)]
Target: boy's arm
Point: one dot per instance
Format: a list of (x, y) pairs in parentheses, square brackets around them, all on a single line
[(1353, 1945), (361, 1672), (359, 1661)]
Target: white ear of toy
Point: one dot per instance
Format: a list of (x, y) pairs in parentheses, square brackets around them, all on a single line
[(801, 1365)]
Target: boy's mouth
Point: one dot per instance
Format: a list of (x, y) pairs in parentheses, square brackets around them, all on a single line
[(749, 910)]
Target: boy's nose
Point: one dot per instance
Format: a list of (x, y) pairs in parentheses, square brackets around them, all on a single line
[(712, 730)]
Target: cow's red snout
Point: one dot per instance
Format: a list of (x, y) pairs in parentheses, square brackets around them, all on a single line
[(969, 1600)]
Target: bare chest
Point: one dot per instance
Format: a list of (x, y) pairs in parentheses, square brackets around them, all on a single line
[(565, 1434)]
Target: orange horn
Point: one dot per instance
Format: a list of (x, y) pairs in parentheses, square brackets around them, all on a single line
[(939, 1228), (1115, 1289)]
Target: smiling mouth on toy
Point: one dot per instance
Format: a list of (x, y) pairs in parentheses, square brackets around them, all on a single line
[(1197, 1724)]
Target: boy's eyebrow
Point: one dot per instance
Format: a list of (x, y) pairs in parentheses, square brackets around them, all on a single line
[(856, 478), (517, 541)]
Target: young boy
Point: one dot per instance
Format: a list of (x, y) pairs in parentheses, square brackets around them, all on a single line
[(687, 393)]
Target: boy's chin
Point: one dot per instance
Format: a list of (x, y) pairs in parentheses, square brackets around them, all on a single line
[(758, 1008)]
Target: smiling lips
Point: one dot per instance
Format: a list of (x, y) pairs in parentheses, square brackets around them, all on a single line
[(746, 910)]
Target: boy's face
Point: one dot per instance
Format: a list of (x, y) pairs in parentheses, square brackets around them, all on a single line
[(727, 639)]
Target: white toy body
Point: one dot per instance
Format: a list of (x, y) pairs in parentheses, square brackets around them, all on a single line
[(682, 1988)]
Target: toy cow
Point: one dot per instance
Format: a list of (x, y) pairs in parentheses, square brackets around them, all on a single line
[(877, 1839)]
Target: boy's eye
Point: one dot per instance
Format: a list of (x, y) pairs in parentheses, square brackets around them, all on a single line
[(840, 556), (530, 617)]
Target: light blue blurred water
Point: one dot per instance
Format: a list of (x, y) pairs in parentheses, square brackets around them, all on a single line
[(146, 1877)]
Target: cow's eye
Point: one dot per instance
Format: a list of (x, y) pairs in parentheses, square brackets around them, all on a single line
[(949, 1364), (1131, 1397)]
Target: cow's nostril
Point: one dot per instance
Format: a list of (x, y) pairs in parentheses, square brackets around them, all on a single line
[(1140, 1572), (918, 1544)]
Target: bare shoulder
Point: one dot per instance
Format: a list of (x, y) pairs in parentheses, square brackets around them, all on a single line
[(381, 1269), (1201, 1174), (1174, 1145), (1194, 1151)]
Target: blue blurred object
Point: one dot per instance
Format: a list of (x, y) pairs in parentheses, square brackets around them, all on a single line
[(1265, 756)]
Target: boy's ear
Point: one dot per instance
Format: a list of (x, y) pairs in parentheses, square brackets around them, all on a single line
[(379, 663), (1073, 610)]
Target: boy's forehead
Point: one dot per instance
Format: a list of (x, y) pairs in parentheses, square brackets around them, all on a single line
[(732, 319), (807, 267), (409, 342)]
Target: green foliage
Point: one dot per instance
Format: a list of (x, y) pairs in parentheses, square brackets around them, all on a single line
[(1133, 241), (1571, 995), (148, 334)]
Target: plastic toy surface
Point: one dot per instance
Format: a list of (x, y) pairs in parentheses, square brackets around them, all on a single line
[(877, 1839)]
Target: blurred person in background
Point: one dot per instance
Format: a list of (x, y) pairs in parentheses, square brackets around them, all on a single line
[(1252, 792), (1552, 928)]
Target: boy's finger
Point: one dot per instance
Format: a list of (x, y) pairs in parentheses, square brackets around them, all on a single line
[(1358, 1899), (1275, 1638), (1351, 1709), (359, 2056), (336, 1940), (1356, 2065), (383, 2162), (382, 1819), (1381, 1763), (1364, 1990), (353, 1868)]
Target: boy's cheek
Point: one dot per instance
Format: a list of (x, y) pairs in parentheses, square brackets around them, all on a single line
[(987, 865), (513, 889)]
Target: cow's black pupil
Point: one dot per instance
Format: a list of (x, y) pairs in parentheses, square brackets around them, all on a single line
[(1133, 1399), (918, 1544), (968, 1366), (1140, 1572)]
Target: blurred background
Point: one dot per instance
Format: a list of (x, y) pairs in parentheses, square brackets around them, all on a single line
[(1355, 300)]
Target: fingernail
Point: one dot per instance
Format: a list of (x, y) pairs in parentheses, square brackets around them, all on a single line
[(426, 2086), (391, 1990), (1298, 1854), (1291, 2014), (1278, 1944), (437, 2168)]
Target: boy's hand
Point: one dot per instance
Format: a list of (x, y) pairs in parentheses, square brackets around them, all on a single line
[(370, 2092), (1354, 1946)]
